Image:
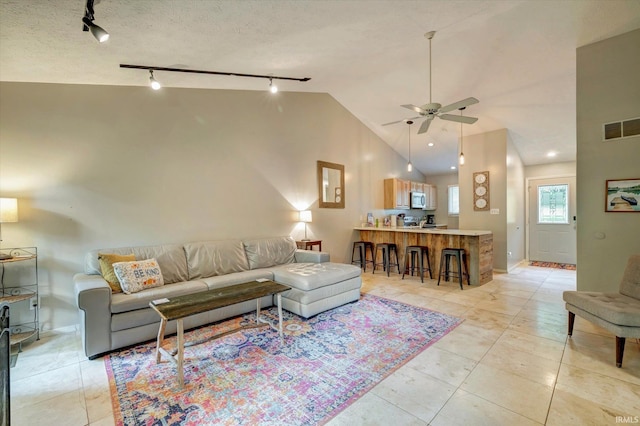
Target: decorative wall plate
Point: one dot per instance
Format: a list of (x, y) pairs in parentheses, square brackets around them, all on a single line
[(481, 191)]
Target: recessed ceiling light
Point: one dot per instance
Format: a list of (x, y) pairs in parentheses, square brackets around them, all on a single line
[(453, 167), (551, 154), (430, 144)]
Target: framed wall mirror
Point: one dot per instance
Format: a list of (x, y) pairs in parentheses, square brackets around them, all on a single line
[(330, 185)]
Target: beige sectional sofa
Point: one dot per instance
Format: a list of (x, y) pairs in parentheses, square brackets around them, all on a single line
[(109, 321)]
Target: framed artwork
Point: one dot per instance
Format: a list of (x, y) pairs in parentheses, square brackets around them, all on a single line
[(481, 191), (622, 196)]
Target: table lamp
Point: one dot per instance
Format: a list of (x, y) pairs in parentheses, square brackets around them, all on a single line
[(8, 213), (305, 216)]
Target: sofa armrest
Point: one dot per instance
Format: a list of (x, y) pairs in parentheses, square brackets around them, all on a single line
[(93, 295), (311, 256)]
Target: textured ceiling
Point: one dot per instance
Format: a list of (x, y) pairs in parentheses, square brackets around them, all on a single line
[(517, 57)]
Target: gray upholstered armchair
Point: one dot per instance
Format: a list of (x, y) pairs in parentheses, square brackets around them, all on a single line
[(617, 312)]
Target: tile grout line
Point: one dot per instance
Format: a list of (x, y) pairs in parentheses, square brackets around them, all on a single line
[(459, 387)]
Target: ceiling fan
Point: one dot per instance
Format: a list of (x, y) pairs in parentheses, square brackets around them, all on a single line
[(433, 109)]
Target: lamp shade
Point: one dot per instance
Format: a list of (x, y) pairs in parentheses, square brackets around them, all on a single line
[(8, 210), (305, 216)]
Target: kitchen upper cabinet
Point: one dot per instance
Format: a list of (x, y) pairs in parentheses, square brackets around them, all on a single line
[(417, 187), (431, 196), (396, 193)]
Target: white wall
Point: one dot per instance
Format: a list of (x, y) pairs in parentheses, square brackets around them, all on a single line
[(487, 151), (516, 201), (563, 169), (100, 166), (608, 89)]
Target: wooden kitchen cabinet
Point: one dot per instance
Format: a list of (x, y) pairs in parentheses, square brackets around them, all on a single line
[(431, 196), (396, 193), (417, 187)]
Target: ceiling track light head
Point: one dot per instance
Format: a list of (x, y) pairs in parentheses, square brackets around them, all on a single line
[(98, 32), (155, 85), (272, 87)]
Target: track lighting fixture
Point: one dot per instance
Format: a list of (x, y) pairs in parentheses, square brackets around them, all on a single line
[(98, 32), (155, 85), (461, 152), (409, 165), (272, 87)]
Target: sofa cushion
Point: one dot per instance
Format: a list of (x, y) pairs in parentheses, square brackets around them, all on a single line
[(310, 276), (138, 275), (237, 278), (612, 307), (267, 252), (170, 257), (106, 261), (213, 258), (121, 302)]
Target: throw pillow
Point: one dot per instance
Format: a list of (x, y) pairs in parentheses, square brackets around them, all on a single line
[(106, 268), (138, 275)]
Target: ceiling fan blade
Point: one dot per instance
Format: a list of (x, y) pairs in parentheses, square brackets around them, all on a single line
[(414, 108), (460, 104), (425, 126), (400, 121), (458, 118)]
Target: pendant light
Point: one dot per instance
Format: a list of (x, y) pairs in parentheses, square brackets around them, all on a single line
[(409, 165), (461, 152)]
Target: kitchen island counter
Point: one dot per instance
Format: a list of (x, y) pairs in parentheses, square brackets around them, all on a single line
[(478, 245), (418, 230)]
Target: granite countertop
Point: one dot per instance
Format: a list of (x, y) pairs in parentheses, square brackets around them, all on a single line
[(418, 230)]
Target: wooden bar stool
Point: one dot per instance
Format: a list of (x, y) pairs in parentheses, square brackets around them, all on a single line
[(362, 247), (460, 256), (387, 248), (415, 254)]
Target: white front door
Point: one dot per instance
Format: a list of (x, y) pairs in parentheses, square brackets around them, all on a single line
[(552, 220)]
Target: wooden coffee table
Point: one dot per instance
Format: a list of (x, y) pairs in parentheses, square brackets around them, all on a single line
[(180, 307)]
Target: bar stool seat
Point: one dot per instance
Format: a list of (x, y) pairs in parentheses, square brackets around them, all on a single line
[(415, 254), (387, 248), (460, 255), (362, 247)]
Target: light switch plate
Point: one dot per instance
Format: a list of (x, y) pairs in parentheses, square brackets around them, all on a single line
[(494, 211)]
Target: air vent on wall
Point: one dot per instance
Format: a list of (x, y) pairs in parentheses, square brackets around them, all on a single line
[(621, 129)]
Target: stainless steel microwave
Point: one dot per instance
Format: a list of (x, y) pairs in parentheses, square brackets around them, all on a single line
[(418, 200)]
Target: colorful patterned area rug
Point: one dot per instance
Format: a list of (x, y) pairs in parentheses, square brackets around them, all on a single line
[(250, 377), (553, 265)]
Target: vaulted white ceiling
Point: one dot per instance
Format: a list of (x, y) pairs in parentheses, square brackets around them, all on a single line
[(517, 57)]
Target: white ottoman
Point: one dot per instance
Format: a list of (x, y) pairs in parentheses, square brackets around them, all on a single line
[(317, 287)]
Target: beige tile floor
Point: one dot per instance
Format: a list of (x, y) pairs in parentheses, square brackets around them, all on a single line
[(508, 363)]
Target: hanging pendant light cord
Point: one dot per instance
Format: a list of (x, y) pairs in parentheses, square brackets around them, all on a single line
[(409, 142), (430, 71)]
